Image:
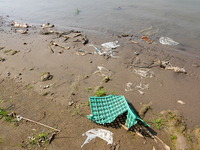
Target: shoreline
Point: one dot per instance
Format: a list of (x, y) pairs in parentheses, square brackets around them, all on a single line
[(73, 72)]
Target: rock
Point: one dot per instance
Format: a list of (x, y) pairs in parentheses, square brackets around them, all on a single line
[(46, 76)]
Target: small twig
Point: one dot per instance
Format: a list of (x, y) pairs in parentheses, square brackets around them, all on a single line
[(37, 123)]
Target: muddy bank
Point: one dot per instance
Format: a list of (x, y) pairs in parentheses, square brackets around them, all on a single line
[(62, 69)]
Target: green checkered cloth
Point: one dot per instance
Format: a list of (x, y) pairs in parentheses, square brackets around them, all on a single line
[(107, 109)]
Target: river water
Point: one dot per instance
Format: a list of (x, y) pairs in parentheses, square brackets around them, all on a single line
[(177, 19)]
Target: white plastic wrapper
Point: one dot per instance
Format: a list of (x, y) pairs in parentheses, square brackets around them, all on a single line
[(110, 45), (101, 133), (167, 41)]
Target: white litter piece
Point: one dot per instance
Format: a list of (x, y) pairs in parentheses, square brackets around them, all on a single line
[(167, 41), (20, 25), (103, 71), (167, 65), (180, 102), (101, 133), (110, 45), (129, 86), (98, 50), (142, 86), (141, 92), (145, 73)]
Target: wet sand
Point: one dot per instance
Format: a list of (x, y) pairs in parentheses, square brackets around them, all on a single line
[(73, 76)]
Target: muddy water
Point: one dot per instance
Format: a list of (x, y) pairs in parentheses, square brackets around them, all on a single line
[(178, 19)]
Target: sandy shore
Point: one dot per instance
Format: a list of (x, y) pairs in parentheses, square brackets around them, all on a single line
[(61, 100)]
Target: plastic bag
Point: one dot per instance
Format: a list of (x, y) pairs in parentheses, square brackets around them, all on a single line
[(167, 41), (110, 45), (101, 133)]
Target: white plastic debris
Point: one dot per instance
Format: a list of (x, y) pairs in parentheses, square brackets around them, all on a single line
[(167, 65), (145, 73), (142, 86), (129, 86), (101, 133), (110, 45), (180, 102), (103, 71), (167, 41), (19, 118), (20, 25)]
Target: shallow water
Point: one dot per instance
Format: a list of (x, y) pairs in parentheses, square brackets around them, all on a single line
[(177, 19)]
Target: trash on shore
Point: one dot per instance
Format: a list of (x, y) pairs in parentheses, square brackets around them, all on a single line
[(47, 25), (134, 42), (117, 105), (167, 41), (53, 43), (142, 87), (148, 40), (181, 102), (110, 45), (46, 76), (108, 49), (83, 52), (167, 65), (145, 73), (97, 49), (22, 31), (20, 25), (11, 52), (103, 71), (129, 86), (101, 133)]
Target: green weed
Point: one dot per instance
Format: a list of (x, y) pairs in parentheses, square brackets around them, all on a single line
[(100, 92), (158, 122), (5, 114), (77, 111), (173, 137)]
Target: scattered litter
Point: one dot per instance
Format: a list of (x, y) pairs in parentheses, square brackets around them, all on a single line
[(11, 52), (52, 43), (46, 76), (22, 31), (47, 25), (180, 102), (46, 87), (141, 92), (110, 45), (147, 39), (101, 133), (103, 71), (98, 50), (107, 48), (167, 41), (167, 65), (142, 86), (145, 73), (129, 86), (2, 59), (83, 52), (134, 42), (117, 106), (20, 25)]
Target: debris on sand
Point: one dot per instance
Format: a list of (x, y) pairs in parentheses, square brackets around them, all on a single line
[(22, 31), (145, 73), (148, 40), (167, 41), (2, 59), (106, 109), (19, 25), (108, 49), (47, 25), (103, 71), (167, 65), (11, 52), (101, 133), (180, 102), (129, 85), (46, 76)]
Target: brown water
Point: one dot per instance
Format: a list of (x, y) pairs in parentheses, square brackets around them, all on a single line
[(177, 19)]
